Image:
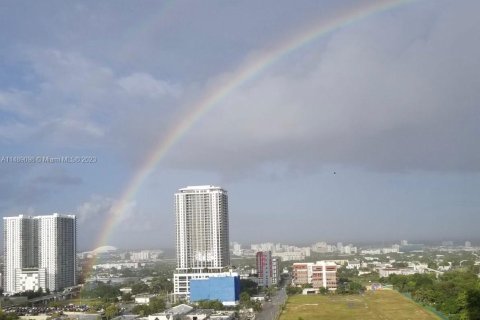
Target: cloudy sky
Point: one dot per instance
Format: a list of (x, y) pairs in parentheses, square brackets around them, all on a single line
[(368, 132)]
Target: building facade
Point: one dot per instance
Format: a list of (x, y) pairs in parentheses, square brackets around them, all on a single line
[(39, 252), (275, 271), (202, 234), (57, 247), (291, 255), (267, 269), (318, 274), (18, 248), (224, 288), (143, 255), (30, 279)]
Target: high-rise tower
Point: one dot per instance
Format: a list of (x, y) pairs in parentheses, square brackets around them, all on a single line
[(202, 228), (19, 234), (57, 249), (202, 235), (264, 268), (39, 252)]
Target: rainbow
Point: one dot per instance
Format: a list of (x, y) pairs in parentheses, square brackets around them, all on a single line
[(246, 72)]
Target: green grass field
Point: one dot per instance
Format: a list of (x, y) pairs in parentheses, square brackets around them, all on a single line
[(385, 305)]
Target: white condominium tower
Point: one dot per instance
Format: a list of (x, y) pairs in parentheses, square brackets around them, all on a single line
[(19, 234), (202, 228), (57, 249), (39, 252), (202, 242)]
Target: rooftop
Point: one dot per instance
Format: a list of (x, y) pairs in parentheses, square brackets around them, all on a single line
[(177, 310), (202, 187)]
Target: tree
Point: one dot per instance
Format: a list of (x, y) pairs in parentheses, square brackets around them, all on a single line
[(469, 303), (349, 287), (211, 304), (159, 284), (111, 311), (249, 286), (356, 287), (157, 305), (140, 287), (425, 295), (291, 290), (8, 315), (244, 298), (127, 296), (343, 272), (323, 290), (455, 293), (101, 290), (128, 273), (256, 305), (142, 310)]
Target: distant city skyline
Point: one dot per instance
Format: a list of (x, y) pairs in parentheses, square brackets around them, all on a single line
[(170, 251), (353, 121)]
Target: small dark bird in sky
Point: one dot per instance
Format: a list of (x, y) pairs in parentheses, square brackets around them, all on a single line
[(334, 172)]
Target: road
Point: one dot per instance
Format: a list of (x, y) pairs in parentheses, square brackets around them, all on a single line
[(271, 310)]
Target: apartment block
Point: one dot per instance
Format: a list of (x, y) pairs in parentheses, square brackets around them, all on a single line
[(318, 274), (202, 235), (39, 252)]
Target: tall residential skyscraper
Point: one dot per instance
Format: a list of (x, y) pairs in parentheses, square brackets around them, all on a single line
[(202, 228), (39, 252), (57, 249), (202, 235), (19, 235)]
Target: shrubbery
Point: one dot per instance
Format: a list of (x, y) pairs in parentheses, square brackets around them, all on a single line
[(456, 293)]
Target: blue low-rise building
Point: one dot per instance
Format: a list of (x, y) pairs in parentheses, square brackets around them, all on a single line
[(226, 289)]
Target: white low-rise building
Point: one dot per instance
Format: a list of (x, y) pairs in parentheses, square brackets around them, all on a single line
[(223, 315), (385, 272), (144, 298), (118, 266), (291, 256), (126, 290), (175, 313), (143, 255), (371, 251), (353, 264)]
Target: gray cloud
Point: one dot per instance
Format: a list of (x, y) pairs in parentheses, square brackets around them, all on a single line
[(81, 103), (391, 93), (95, 217), (58, 178), (394, 95), (95, 210), (24, 186)]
